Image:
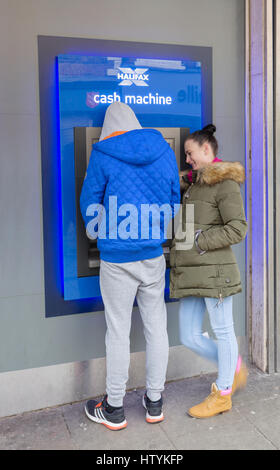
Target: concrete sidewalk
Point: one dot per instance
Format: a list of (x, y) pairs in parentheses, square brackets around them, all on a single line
[(252, 424)]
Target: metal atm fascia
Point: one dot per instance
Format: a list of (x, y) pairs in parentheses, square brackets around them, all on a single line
[(88, 259)]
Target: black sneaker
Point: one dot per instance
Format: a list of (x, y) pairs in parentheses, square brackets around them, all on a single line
[(103, 413), (154, 410)]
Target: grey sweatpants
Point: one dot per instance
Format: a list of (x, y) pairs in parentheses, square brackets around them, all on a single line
[(120, 283)]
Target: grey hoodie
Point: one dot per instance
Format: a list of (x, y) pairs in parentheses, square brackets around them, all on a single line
[(119, 117)]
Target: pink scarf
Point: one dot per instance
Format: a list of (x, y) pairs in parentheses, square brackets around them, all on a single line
[(216, 159)]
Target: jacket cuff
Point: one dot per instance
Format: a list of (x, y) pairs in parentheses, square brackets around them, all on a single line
[(200, 247)]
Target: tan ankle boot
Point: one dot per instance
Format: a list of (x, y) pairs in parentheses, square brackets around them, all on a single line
[(213, 405), (240, 376)]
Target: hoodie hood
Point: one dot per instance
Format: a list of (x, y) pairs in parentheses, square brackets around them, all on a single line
[(119, 117), (136, 146)]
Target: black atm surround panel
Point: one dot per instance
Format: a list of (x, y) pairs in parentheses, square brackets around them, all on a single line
[(88, 258)]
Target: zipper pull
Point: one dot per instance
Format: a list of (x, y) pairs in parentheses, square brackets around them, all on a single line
[(187, 195), (220, 301)]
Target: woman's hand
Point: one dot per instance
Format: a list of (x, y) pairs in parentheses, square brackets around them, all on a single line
[(182, 182), (183, 173)]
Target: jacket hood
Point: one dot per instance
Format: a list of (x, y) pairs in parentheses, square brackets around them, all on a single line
[(137, 147), (220, 171), (119, 117)]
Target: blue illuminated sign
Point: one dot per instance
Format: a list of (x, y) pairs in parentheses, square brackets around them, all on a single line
[(162, 93)]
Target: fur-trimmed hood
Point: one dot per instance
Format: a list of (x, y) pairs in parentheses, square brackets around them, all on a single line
[(220, 171)]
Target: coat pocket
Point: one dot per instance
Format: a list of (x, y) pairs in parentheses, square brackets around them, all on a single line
[(228, 275), (198, 277)]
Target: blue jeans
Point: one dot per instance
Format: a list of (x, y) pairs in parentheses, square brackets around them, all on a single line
[(225, 351)]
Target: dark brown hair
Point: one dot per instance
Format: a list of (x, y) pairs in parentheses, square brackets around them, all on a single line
[(205, 135)]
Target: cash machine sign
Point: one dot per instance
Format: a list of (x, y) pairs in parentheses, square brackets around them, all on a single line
[(129, 76)]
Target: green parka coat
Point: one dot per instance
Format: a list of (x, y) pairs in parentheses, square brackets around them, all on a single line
[(207, 267)]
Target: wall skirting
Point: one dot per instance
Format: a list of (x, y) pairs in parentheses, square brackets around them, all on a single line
[(33, 389)]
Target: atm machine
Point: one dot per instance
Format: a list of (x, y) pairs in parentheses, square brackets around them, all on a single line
[(169, 87), (164, 94), (88, 260)]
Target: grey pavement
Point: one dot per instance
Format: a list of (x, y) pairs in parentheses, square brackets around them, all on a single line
[(252, 424)]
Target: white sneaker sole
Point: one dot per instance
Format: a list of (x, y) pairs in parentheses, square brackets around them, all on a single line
[(108, 424)]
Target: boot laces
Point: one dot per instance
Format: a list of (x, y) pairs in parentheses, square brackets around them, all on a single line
[(212, 397)]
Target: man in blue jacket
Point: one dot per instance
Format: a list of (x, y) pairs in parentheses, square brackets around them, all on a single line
[(129, 193)]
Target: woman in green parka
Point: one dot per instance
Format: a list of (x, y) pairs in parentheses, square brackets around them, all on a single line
[(205, 275)]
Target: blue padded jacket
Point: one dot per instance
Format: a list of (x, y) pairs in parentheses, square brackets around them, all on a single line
[(126, 174)]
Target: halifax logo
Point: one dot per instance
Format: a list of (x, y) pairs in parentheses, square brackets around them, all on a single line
[(129, 76)]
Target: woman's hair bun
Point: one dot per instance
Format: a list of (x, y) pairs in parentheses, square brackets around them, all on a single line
[(205, 135), (210, 129)]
